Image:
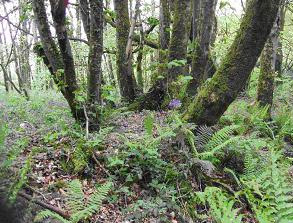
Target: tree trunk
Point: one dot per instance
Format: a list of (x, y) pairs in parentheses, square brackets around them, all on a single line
[(179, 38), (6, 53), (2, 62), (203, 30), (164, 36), (62, 68), (95, 59), (84, 8), (279, 59), (139, 58), (265, 89), (24, 47), (124, 74), (15, 55), (129, 55), (154, 99), (215, 97)]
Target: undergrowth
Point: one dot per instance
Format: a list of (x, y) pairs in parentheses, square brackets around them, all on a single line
[(241, 166)]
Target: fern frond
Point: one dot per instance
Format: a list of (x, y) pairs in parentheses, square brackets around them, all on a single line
[(46, 214), (276, 204), (93, 205), (203, 135), (221, 207), (149, 123), (221, 136), (75, 196)]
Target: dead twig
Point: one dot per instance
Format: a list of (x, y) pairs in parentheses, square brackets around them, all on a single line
[(62, 213), (98, 163)]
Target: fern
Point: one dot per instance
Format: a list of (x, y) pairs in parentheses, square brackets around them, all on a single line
[(276, 202), (221, 207), (47, 213), (211, 143), (76, 201), (149, 123), (22, 178), (75, 196), (221, 137), (203, 136)]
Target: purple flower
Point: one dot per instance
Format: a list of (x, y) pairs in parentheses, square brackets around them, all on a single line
[(174, 103)]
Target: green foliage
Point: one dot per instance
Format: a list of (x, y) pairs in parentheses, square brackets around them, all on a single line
[(12, 154), (176, 63), (80, 206), (21, 178), (80, 158), (141, 159), (211, 143), (3, 132), (274, 200), (149, 124), (153, 21), (109, 93), (221, 206)]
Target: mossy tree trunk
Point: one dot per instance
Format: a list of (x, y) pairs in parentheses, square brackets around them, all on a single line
[(164, 35), (58, 11), (95, 60), (139, 71), (60, 66), (202, 37), (124, 74), (214, 98), (24, 46), (279, 58), (85, 16), (165, 87), (265, 88), (179, 38)]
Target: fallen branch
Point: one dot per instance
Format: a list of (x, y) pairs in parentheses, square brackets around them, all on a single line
[(62, 213)]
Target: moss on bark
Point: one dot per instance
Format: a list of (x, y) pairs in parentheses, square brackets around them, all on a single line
[(216, 95), (124, 72)]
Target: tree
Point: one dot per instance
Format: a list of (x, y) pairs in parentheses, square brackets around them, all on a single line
[(95, 59), (173, 51), (59, 59), (203, 27), (268, 60), (178, 45), (124, 69), (215, 96)]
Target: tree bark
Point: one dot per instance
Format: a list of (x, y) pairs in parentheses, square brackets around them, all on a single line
[(24, 47), (62, 67), (124, 74), (5, 76), (139, 58), (95, 59), (84, 8), (265, 89), (203, 30), (215, 97), (164, 36), (154, 99), (279, 58), (179, 38)]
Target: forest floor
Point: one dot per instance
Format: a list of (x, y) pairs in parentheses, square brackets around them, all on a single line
[(41, 133), (143, 154)]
